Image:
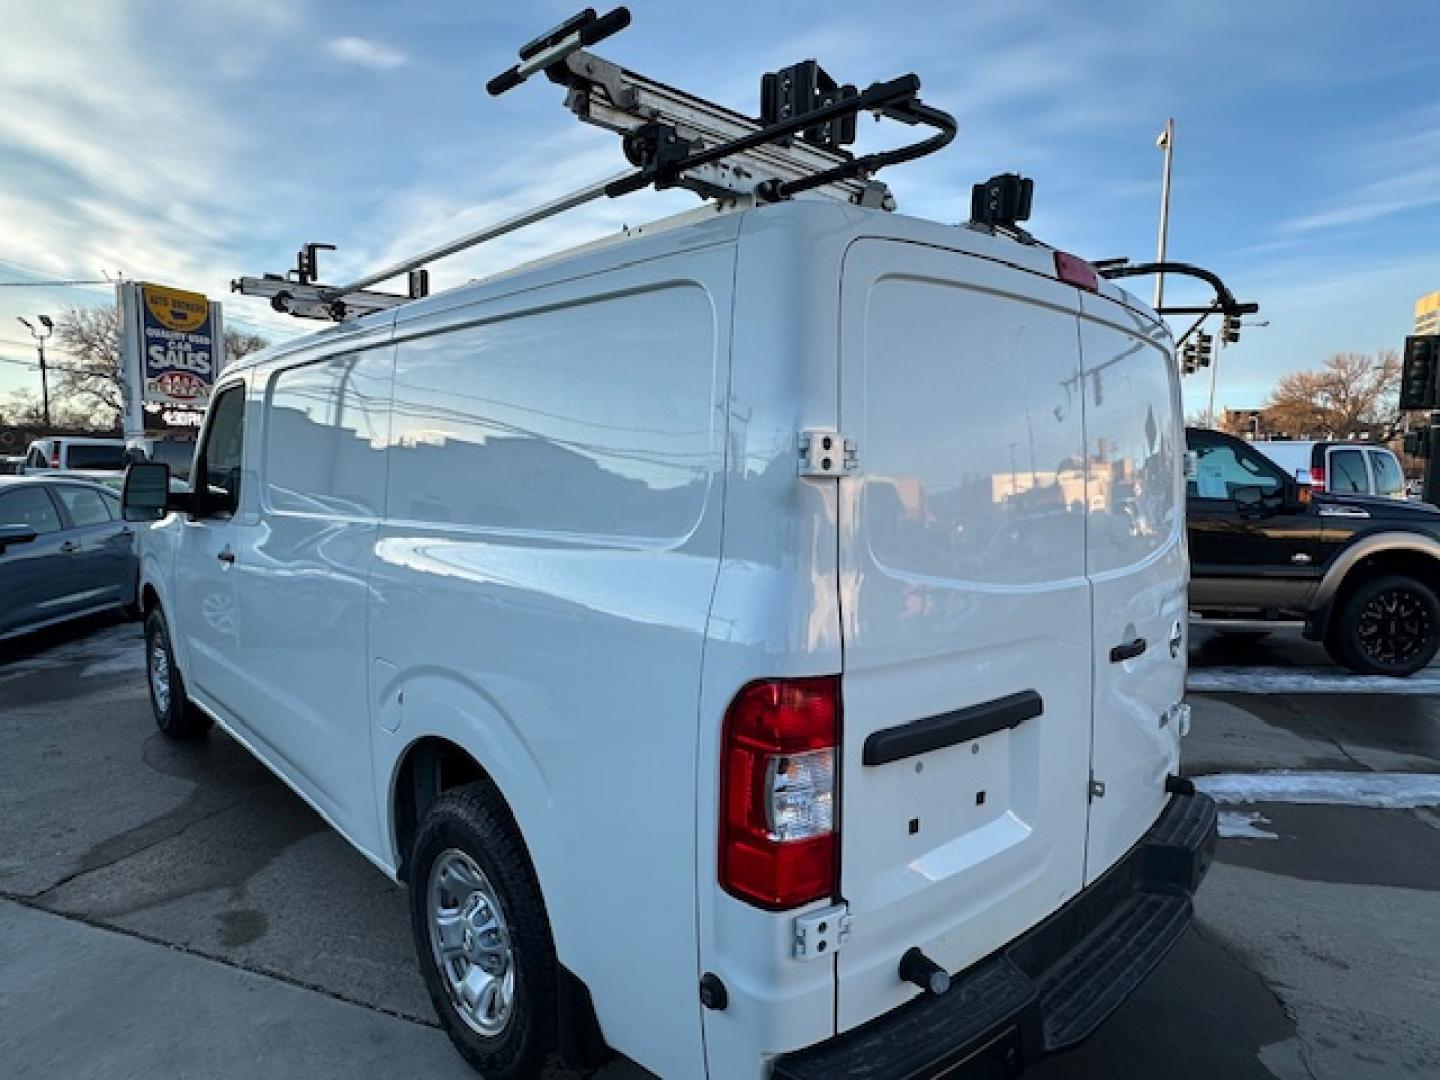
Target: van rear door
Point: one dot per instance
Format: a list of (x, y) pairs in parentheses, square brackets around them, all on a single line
[(966, 611), (1135, 557)]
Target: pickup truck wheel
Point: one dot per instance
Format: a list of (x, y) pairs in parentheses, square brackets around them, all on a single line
[(482, 935), (174, 714), (1390, 625)]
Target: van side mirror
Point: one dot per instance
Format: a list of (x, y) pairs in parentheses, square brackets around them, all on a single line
[(146, 494), (15, 534)]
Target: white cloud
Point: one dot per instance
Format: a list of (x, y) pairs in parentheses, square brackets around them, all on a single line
[(371, 54)]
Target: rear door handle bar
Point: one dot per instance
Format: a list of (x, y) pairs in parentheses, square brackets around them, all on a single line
[(1128, 650)]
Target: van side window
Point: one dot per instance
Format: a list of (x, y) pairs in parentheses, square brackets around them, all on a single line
[(326, 428), (1346, 475), (224, 446), (594, 418)]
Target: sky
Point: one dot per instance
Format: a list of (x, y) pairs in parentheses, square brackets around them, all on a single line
[(189, 143)]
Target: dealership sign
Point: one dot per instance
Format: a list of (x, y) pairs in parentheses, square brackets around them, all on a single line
[(178, 357), (172, 347)]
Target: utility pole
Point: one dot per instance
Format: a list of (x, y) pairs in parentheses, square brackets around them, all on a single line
[(1165, 142), (40, 337)]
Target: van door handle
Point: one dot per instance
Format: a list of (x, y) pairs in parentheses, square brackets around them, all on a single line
[(226, 555), (70, 547), (1127, 650)]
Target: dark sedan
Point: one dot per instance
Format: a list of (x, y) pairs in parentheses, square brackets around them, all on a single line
[(65, 552)]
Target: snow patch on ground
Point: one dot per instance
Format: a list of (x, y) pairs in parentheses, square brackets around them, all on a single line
[(1306, 680), (1245, 825), (1379, 790)]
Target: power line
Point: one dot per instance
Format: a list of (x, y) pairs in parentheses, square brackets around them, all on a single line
[(52, 284)]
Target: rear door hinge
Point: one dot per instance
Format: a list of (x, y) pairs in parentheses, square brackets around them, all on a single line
[(820, 933), (1097, 788), (826, 452)]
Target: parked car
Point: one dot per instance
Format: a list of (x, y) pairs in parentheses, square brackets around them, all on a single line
[(177, 453), (65, 551), (75, 452), (1361, 571), (1339, 468), (13, 465), (527, 589)]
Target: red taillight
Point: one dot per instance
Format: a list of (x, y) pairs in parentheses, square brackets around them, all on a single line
[(779, 753), (1317, 478), (1076, 271), (55, 459)]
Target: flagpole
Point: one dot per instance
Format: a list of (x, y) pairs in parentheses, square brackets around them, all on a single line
[(1165, 142)]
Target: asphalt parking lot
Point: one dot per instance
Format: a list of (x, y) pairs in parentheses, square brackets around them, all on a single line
[(173, 910)]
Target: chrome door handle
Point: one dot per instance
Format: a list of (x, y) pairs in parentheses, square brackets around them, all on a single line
[(1128, 650), (70, 547), (226, 555)]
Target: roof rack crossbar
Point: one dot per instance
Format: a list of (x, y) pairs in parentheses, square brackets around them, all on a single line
[(674, 139)]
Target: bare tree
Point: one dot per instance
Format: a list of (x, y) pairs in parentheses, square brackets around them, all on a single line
[(1353, 394), (87, 380)]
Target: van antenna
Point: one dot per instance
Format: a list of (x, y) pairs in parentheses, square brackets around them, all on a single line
[(671, 139)]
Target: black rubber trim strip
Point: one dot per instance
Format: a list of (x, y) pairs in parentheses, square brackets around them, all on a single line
[(947, 729)]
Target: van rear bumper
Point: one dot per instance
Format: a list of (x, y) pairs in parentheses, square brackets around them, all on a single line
[(1051, 987)]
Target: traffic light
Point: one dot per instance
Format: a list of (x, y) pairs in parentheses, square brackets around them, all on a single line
[(1231, 333), (1204, 349), (1417, 376), (1188, 365)]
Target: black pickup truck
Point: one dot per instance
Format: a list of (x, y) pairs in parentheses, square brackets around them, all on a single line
[(1363, 573)]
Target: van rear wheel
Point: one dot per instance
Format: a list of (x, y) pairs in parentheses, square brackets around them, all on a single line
[(174, 715), (1389, 625), (482, 935)]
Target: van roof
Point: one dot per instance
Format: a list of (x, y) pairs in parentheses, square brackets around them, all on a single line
[(703, 226)]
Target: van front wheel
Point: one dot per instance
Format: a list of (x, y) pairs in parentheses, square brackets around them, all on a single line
[(482, 935), (174, 715)]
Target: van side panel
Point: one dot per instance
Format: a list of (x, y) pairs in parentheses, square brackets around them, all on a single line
[(302, 584), (965, 605), (539, 596)]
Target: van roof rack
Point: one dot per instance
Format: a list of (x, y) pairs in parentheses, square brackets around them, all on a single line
[(671, 139)]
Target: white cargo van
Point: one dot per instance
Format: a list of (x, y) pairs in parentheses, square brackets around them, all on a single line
[(757, 644), (525, 589)]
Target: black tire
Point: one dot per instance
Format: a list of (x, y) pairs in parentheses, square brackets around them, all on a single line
[(175, 716), (1388, 625), (472, 820)]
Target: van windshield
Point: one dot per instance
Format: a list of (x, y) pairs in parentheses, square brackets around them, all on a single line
[(91, 456)]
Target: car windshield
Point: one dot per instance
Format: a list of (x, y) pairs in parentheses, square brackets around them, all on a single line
[(95, 456)]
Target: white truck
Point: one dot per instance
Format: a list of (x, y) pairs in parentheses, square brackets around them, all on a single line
[(756, 642)]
